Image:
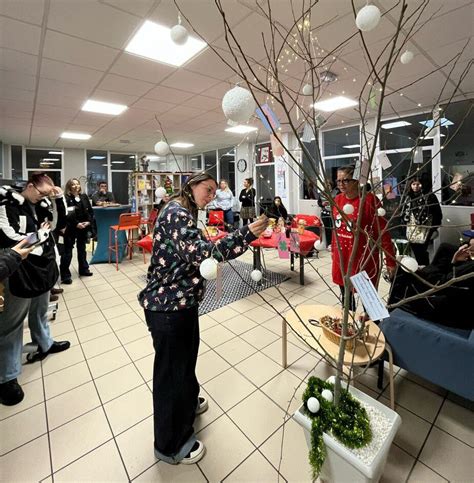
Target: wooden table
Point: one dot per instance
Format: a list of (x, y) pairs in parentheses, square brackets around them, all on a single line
[(364, 353)]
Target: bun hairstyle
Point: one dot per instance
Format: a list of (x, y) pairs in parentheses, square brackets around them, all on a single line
[(185, 195), (249, 181)]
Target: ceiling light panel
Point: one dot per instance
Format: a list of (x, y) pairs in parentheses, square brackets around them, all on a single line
[(153, 41), (100, 107), (241, 129), (393, 125), (335, 103), (181, 145), (76, 135)]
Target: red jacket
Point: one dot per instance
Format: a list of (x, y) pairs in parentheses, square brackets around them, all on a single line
[(367, 257)]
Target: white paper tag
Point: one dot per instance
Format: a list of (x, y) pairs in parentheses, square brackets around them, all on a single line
[(370, 298), (418, 156), (384, 161)]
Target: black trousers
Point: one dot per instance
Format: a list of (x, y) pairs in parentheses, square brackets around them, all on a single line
[(175, 386), (327, 222), (80, 238), (420, 251)]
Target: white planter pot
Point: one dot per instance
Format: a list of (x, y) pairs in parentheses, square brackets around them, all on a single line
[(341, 465)]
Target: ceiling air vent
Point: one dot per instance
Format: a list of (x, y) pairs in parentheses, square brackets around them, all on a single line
[(125, 141)]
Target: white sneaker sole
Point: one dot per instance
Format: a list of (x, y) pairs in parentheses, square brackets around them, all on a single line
[(195, 456), (202, 408)]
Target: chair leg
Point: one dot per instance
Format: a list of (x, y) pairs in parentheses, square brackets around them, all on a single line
[(110, 244), (116, 250)]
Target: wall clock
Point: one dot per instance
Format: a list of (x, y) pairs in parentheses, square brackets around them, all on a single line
[(242, 165)]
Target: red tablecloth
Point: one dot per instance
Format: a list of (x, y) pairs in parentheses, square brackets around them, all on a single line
[(146, 242), (306, 241)]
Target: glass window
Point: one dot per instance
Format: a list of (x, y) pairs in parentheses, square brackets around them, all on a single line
[(210, 165), (227, 166), (96, 169), (265, 185), (43, 159), (120, 186), (457, 161), (341, 141), (196, 162), (403, 132), (121, 161), (17, 163), (309, 189)]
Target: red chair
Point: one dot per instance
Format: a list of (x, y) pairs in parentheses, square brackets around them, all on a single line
[(128, 222), (151, 220), (313, 223), (216, 218)]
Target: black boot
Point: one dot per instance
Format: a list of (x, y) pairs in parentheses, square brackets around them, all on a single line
[(40, 355), (11, 393)]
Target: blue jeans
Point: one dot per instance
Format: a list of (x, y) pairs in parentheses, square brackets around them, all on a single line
[(11, 330), (229, 218)]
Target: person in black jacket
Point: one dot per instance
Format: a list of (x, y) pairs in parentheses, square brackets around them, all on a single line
[(448, 306), (422, 209), (247, 198), (79, 229), (11, 258), (277, 209), (326, 215), (39, 205)]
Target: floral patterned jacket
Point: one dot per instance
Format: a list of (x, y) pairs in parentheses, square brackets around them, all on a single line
[(174, 281)]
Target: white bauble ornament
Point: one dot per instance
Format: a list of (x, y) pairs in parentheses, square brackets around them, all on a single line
[(331, 379), (160, 193), (407, 57), (313, 405), (348, 209), (208, 268), (256, 275), (318, 245), (381, 212), (327, 394), (307, 90), (179, 35), (238, 104), (409, 264), (368, 18), (162, 148)]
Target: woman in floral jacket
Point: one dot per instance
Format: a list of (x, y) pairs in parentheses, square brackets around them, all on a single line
[(171, 301)]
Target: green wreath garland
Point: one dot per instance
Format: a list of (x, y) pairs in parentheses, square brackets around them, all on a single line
[(348, 422)]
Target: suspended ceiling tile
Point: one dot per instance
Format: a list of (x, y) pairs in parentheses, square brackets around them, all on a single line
[(111, 96), (217, 91), (60, 113), (125, 85), (90, 20), (73, 74), (153, 105), (18, 62), (77, 51), (25, 10), (188, 81), (138, 7), (17, 80), (168, 94), (13, 94), (136, 67), (19, 36), (203, 102), (211, 64), (91, 119), (203, 15)]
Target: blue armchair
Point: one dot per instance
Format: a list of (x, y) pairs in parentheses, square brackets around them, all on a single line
[(440, 354)]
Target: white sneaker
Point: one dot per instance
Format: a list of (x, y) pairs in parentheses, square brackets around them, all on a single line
[(196, 454), (203, 405)]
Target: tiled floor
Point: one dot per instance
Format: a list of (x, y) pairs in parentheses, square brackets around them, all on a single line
[(87, 413)]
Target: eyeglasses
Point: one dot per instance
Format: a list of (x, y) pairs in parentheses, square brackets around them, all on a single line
[(210, 190), (344, 181), (41, 192)]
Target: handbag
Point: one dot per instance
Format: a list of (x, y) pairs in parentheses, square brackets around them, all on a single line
[(36, 275), (418, 233)]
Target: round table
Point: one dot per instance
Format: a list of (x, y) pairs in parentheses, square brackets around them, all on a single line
[(105, 216), (363, 354)]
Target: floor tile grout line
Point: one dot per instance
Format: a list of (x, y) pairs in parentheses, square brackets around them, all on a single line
[(50, 449)]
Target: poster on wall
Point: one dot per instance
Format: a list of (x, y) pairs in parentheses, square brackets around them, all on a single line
[(264, 154)]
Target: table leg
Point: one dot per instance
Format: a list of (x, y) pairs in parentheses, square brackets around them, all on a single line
[(284, 345), (390, 365), (257, 262), (301, 269), (292, 261)]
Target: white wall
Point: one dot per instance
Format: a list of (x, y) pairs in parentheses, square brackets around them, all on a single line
[(74, 164)]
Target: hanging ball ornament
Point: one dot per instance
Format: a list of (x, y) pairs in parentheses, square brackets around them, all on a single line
[(331, 379), (368, 18), (238, 104), (318, 245), (313, 405), (409, 264), (307, 89), (179, 34), (160, 193), (407, 57), (208, 268), (256, 275), (162, 148), (327, 394), (348, 209), (381, 212)]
